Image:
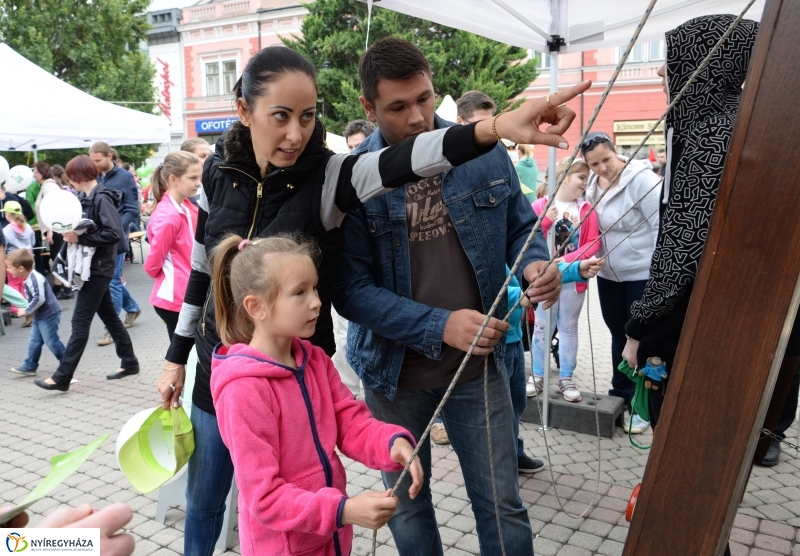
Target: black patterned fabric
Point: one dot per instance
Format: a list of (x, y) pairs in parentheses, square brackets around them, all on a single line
[(699, 130)]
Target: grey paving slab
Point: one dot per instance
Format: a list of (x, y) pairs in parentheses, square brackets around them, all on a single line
[(44, 424)]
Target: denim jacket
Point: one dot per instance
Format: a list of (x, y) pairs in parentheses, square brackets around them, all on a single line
[(373, 285)]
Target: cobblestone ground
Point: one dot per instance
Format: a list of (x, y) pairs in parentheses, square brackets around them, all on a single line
[(37, 425)]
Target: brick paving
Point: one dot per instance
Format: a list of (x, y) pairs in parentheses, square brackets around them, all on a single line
[(37, 425)]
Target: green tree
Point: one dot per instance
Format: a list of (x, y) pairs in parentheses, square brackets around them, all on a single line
[(92, 45), (334, 34)]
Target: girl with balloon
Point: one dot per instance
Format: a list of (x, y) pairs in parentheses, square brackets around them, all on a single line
[(12, 182), (61, 211), (18, 235)]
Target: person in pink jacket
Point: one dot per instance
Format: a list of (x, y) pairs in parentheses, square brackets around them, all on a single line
[(283, 410), (565, 214), (170, 231)]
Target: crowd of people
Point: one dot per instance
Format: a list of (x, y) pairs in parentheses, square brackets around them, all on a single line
[(271, 255)]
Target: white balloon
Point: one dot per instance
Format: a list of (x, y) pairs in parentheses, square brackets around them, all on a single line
[(19, 177), (61, 211), (3, 169)]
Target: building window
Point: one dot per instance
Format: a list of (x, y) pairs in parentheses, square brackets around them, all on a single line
[(648, 52), (215, 85), (658, 51)]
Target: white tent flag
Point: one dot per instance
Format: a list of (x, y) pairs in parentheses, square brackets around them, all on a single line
[(583, 24), (38, 111)]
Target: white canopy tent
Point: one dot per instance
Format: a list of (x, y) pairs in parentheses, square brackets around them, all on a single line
[(447, 109), (38, 111), (562, 26)]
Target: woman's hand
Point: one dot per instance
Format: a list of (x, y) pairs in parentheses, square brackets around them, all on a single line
[(70, 237), (401, 453), (589, 268), (170, 385), (630, 353), (49, 236), (109, 520), (522, 125)]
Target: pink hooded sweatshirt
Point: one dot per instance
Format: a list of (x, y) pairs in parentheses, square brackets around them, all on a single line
[(588, 244), (170, 232), (282, 426)]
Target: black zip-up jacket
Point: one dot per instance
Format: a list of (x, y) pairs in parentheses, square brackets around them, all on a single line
[(100, 206), (312, 197), (119, 179)]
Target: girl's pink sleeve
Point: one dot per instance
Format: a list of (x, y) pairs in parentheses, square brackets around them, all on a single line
[(590, 232), (161, 233), (254, 445), (538, 206), (360, 436)]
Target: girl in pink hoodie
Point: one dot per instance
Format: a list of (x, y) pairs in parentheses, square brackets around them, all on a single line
[(283, 410), (170, 232), (567, 211)]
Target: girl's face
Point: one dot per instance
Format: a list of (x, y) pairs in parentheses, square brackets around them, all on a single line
[(282, 120), (602, 161), (186, 185), (574, 185), (202, 152), (296, 309)]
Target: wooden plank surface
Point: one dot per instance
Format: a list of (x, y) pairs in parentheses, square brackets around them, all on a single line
[(741, 311)]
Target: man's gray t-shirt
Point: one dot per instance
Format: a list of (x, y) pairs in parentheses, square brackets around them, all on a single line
[(442, 276)]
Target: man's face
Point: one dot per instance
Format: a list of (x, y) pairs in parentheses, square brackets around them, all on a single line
[(476, 116), (354, 140), (661, 158), (402, 109), (103, 162)]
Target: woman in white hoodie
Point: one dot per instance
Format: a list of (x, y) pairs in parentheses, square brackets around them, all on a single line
[(622, 279)]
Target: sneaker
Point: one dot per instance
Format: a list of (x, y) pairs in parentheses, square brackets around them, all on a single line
[(28, 321), (65, 293), (530, 387), (637, 425), (105, 339), (130, 318), (538, 385), (529, 466), (569, 390), (439, 434), (23, 371)]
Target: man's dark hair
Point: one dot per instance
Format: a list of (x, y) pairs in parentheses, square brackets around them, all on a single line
[(662, 151), (389, 58), (358, 126), (471, 101)]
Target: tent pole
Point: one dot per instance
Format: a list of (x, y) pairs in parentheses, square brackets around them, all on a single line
[(551, 187), (35, 156)]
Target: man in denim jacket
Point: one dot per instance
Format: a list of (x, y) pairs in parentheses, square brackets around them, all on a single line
[(419, 269)]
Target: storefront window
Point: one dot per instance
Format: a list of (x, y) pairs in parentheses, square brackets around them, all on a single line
[(229, 75), (212, 79)]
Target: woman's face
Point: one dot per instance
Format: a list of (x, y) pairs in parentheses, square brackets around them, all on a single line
[(282, 120), (36, 175), (662, 73), (602, 161)]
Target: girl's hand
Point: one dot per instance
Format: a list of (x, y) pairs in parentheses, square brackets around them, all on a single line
[(70, 237), (522, 125), (630, 353), (546, 288), (589, 268), (401, 453), (170, 385), (552, 213), (370, 510)]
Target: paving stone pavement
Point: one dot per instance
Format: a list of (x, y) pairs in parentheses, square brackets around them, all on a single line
[(42, 424)]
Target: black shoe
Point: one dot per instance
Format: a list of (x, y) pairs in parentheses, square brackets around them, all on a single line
[(773, 455), (529, 466), (123, 373), (48, 386), (65, 294)]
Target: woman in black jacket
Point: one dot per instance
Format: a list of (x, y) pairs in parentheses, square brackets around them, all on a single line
[(99, 205), (272, 172)]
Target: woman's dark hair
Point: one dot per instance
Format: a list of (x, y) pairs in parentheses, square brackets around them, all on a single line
[(60, 175), (44, 169), (389, 58), (82, 169), (267, 66), (594, 139)]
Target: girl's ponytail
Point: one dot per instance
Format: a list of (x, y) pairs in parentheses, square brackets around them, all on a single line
[(233, 323), (158, 185)]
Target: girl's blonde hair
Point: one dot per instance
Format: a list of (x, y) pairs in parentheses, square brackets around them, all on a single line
[(525, 151), (578, 165), (18, 219), (175, 164), (242, 267)]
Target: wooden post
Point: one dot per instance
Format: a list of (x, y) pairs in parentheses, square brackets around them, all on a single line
[(741, 311)]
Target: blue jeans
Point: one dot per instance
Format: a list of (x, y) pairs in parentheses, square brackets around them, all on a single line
[(414, 523), (119, 293), (44, 332), (564, 314), (210, 477), (515, 366)]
